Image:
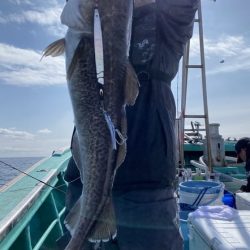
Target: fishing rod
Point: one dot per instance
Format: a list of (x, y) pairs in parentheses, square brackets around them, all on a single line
[(8, 165)]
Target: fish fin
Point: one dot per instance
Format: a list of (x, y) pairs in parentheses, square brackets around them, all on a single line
[(72, 218), (105, 226), (122, 150), (56, 48), (131, 86), (121, 154)]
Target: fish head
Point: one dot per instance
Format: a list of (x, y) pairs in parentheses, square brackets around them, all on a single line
[(78, 15)]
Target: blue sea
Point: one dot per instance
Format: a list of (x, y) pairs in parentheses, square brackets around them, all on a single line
[(7, 173)]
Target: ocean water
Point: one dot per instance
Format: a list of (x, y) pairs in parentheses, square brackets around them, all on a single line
[(7, 173)]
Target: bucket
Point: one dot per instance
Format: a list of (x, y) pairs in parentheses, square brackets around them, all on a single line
[(199, 193)]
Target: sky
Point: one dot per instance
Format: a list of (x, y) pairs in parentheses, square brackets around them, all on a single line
[(35, 109)]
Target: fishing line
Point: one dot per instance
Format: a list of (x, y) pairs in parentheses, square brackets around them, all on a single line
[(69, 182), (8, 165), (177, 93), (20, 189)]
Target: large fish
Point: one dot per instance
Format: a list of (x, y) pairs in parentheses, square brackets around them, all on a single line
[(99, 109)]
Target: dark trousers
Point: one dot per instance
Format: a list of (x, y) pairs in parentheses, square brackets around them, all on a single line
[(146, 219)]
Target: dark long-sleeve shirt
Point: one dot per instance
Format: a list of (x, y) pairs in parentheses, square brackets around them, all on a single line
[(246, 188), (160, 32)]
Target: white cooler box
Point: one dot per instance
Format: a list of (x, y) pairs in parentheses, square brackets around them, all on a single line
[(207, 234), (243, 201)]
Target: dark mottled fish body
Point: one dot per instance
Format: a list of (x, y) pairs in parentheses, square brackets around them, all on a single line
[(92, 216)]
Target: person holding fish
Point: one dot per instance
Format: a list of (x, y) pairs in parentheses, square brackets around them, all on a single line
[(143, 192), (127, 159)]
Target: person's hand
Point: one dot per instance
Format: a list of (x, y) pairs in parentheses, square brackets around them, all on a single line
[(239, 191), (243, 188)]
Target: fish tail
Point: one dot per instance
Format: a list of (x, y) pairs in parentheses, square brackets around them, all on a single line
[(72, 218), (56, 48), (105, 227)]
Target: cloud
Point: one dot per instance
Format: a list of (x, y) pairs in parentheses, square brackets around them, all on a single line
[(20, 2), (15, 134), (44, 131), (40, 17), (2, 20), (47, 16), (225, 45), (39, 146), (15, 149), (234, 50), (23, 67), (15, 143)]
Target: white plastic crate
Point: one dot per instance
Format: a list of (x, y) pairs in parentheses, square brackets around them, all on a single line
[(211, 234), (243, 201)]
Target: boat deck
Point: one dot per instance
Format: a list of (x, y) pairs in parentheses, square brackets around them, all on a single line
[(25, 200)]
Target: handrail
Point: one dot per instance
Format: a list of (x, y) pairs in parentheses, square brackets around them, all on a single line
[(199, 165), (13, 217)]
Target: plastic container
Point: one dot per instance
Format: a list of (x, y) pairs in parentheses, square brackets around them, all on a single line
[(228, 199), (197, 193), (243, 201), (212, 234)]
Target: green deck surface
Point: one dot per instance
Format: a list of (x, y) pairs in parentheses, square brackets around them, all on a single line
[(11, 196), (42, 217)]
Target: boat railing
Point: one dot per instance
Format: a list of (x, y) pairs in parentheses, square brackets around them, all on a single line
[(201, 165), (228, 174), (33, 211)]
